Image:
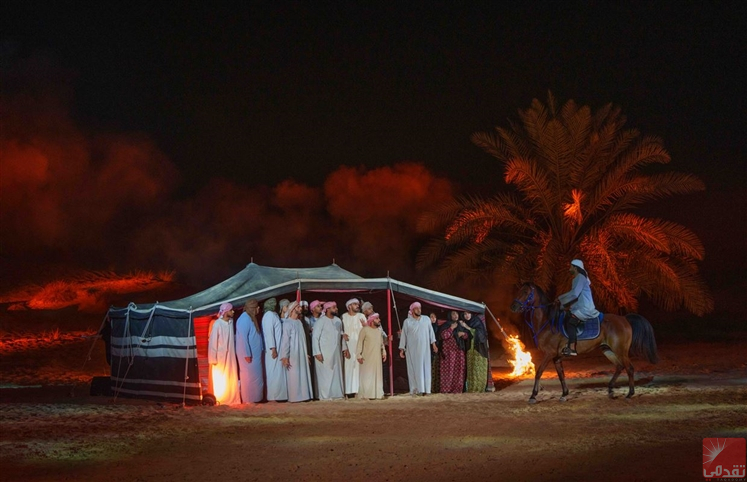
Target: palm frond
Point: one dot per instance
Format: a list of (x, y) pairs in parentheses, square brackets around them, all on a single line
[(576, 175)]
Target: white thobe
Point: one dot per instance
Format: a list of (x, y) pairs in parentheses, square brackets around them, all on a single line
[(326, 340), (371, 348), (272, 329), (222, 359), (293, 347), (583, 308), (249, 345), (417, 336), (352, 326)]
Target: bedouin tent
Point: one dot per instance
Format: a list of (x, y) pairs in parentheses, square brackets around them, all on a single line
[(155, 348)]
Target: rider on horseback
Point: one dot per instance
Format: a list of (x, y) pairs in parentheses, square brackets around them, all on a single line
[(581, 304)]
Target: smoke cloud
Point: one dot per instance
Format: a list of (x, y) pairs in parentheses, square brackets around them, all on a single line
[(71, 197)]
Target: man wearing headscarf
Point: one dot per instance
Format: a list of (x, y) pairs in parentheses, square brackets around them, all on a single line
[(417, 341), (222, 358), (327, 342), (309, 319), (317, 310), (367, 309), (249, 351), (284, 308), (295, 357), (581, 304), (370, 354), (272, 329), (352, 323)]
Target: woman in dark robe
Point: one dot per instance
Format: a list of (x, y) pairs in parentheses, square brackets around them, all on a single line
[(452, 340), (477, 354)]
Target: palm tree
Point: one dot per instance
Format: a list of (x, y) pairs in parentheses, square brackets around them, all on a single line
[(577, 177)]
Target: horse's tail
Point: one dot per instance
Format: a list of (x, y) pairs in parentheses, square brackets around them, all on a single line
[(644, 342)]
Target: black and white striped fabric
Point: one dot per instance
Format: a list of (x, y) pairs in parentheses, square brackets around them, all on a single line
[(154, 354)]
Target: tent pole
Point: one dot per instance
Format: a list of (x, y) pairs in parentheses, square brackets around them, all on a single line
[(391, 353), (186, 359), (496, 321)]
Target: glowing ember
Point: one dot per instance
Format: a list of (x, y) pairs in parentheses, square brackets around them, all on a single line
[(522, 360)]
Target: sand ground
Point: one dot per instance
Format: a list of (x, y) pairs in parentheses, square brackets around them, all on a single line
[(55, 430)]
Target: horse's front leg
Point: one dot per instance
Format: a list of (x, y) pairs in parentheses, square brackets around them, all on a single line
[(537, 376), (611, 386), (558, 360)]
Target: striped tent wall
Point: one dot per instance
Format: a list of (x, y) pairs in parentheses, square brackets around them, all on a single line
[(151, 350)]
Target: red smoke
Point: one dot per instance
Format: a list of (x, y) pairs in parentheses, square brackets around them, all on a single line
[(364, 219), (69, 197)]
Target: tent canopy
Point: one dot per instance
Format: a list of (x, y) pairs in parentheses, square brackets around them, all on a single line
[(154, 347), (263, 282)]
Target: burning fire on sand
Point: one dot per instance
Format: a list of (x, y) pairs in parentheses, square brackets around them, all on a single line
[(522, 360)]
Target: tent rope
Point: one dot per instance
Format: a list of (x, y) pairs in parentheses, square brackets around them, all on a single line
[(147, 325), (125, 332), (95, 339), (186, 359)]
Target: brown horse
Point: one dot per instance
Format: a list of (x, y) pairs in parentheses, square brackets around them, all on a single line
[(621, 337)]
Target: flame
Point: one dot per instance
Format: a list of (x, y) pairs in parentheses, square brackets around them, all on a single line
[(219, 384), (522, 360)]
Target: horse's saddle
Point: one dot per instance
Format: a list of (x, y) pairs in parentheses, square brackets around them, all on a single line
[(588, 330)]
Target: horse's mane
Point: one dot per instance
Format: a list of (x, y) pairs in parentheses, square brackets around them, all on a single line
[(547, 305)]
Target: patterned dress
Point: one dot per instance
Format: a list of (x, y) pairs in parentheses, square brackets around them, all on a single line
[(477, 367), (452, 363)]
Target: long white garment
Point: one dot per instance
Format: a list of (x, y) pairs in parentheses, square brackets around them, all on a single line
[(222, 359), (272, 329), (326, 340), (293, 347), (584, 308), (352, 325), (417, 336), (371, 349), (249, 345)]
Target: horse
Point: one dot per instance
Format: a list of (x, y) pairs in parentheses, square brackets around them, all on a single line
[(620, 338)]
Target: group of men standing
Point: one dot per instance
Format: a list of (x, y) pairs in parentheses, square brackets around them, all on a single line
[(305, 352)]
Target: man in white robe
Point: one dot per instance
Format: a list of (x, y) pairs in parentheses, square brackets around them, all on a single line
[(249, 349), (222, 358), (581, 304), (272, 329), (417, 341), (295, 357), (352, 323), (327, 344), (370, 354), (313, 315)]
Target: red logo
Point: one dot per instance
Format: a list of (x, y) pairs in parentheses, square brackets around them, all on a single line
[(724, 458)]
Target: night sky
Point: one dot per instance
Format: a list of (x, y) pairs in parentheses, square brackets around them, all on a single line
[(246, 116)]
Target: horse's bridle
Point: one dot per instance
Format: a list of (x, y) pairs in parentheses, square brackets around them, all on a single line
[(528, 308)]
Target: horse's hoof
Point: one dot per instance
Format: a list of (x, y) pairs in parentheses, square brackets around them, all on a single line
[(563, 399), (532, 401)]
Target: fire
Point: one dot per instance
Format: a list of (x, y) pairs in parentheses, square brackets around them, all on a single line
[(219, 384), (522, 360)]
